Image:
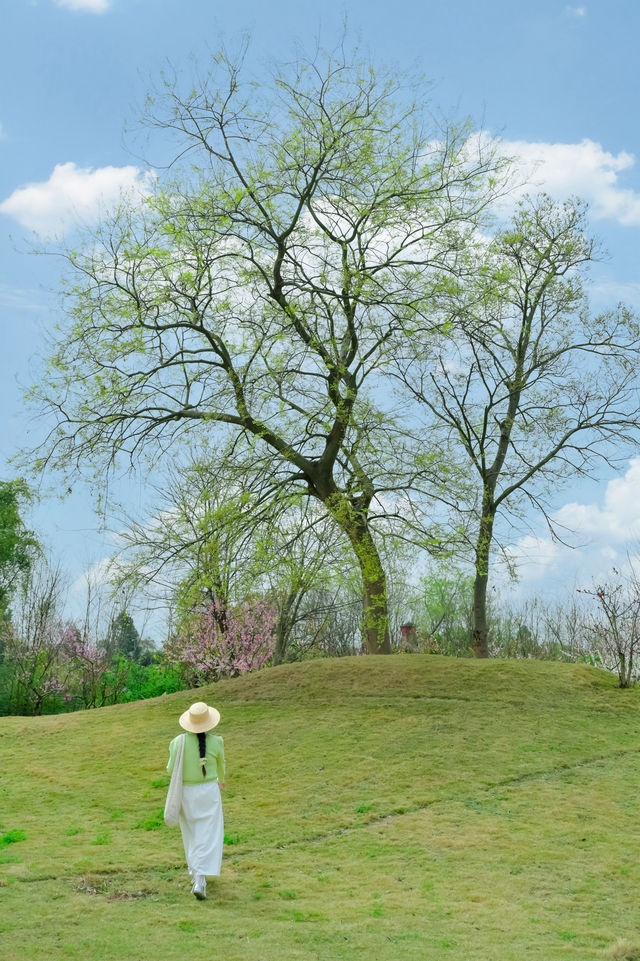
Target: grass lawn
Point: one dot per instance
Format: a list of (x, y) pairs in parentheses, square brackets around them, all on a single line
[(377, 808)]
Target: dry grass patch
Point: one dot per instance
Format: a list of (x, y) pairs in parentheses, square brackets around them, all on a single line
[(624, 951)]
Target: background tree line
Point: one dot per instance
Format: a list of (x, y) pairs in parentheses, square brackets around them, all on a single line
[(246, 612), (49, 662)]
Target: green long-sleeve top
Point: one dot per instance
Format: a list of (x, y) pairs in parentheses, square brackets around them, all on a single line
[(191, 764)]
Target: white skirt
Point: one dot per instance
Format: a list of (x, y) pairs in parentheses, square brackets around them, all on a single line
[(202, 827)]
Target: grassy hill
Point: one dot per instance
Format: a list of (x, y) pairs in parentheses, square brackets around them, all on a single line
[(406, 807)]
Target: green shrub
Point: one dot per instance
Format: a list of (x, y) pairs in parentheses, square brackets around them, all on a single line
[(11, 837), (147, 680)]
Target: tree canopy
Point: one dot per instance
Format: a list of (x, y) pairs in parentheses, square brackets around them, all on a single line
[(532, 387), (317, 287), (261, 292)]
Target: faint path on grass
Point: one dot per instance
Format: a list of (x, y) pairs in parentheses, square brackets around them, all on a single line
[(373, 820), (485, 792)]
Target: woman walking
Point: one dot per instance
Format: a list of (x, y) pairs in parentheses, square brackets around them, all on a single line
[(201, 821)]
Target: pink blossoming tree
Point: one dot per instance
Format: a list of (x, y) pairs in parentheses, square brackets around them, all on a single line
[(216, 643), (57, 663)]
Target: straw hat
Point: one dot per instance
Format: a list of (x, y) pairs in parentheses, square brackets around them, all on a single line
[(199, 718)]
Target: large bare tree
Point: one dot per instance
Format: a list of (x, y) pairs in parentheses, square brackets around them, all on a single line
[(314, 220), (530, 388)]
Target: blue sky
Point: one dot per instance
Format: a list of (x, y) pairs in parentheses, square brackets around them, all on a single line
[(558, 82)]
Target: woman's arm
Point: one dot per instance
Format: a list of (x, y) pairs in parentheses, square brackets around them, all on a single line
[(172, 755), (221, 763)]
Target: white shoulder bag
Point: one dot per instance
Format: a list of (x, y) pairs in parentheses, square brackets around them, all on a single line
[(174, 794)]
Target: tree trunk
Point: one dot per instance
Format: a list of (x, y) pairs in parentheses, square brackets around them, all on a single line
[(283, 628), (479, 634), (375, 615)]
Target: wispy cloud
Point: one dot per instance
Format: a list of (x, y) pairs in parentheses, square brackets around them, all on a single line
[(73, 195), (575, 11), (17, 299), (86, 6), (607, 292)]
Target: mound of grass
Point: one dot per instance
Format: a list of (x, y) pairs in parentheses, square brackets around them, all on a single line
[(409, 807)]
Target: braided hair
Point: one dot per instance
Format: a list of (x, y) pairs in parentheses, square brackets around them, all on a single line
[(202, 744)]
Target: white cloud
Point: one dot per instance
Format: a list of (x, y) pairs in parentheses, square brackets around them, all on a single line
[(96, 577), (617, 522), (575, 11), (91, 6), (584, 169), (603, 533), (72, 195), (91, 596), (537, 554)]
